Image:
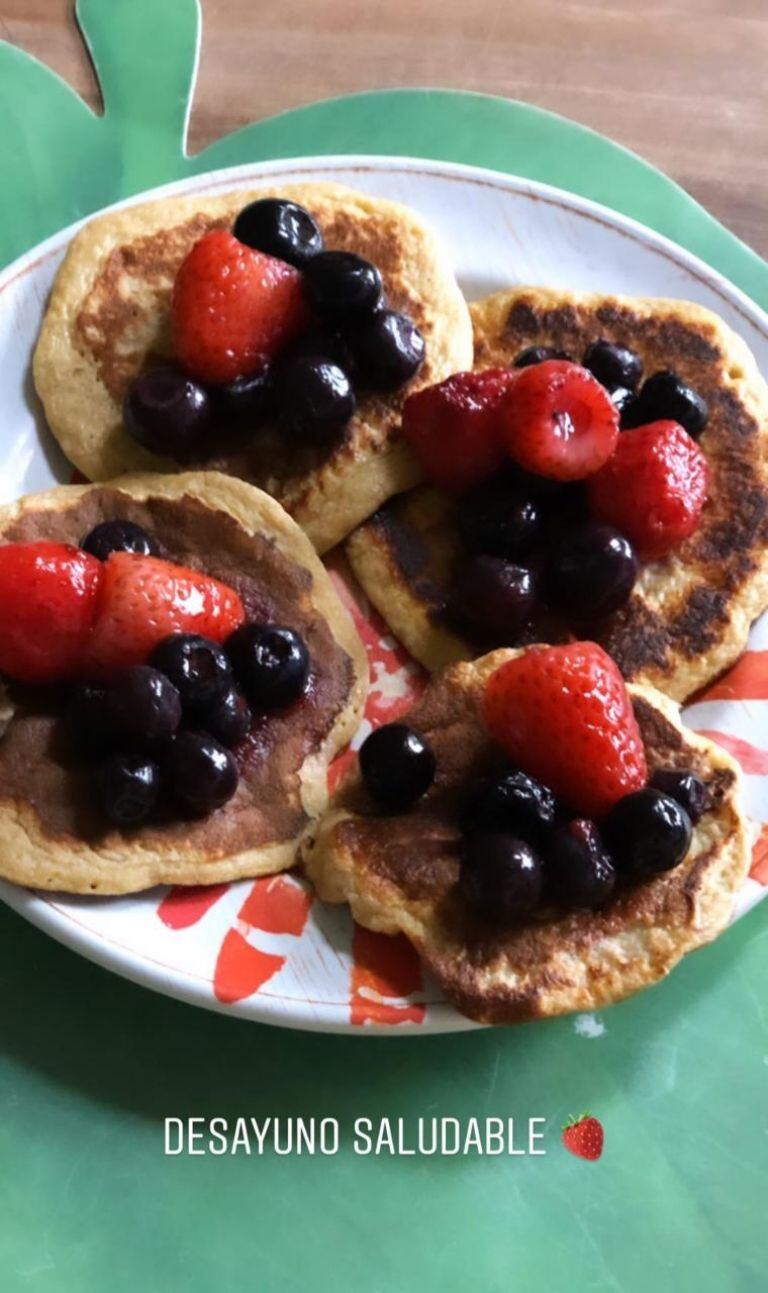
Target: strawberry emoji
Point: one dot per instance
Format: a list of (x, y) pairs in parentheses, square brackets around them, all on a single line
[(232, 307), (584, 1137), (564, 715)]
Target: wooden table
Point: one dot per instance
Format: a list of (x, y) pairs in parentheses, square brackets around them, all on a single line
[(683, 82)]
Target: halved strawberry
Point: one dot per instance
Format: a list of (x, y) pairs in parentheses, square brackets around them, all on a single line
[(558, 421), (48, 598), (563, 714), (233, 306), (653, 488), (143, 599), (453, 427)]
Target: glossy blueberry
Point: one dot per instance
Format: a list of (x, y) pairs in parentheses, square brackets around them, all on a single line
[(397, 766), (495, 521), (688, 790), (126, 788), (614, 365), (245, 402), (228, 718), (647, 832), (167, 412), (280, 228), (342, 285), (537, 355), (325, 343), (666, 395), (144, 707), (200, 771), (622, 400), (591, 572), (510, 801), (389, 349), (199, 669), (87, 720), (580, 870), (119, 536), (271, 663), (314, 398), (491, 600), (500, 877)]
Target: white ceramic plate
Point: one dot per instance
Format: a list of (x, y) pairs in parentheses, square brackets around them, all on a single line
[(266, 951)]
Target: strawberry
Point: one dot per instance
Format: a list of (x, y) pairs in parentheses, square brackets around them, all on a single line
[(143, 599), (564, 716), (653, 488), (48, 595), (232, 306), (558, 421), (453, 427), (584, 1137)]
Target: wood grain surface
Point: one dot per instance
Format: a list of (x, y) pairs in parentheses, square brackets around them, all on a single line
[(682, 82)]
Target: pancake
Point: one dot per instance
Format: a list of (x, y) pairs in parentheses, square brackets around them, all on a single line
[(690, 613), (398, 873), (109, 316), (51, 836)]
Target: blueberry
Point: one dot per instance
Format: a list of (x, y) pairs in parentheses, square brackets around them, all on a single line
[(279, 228), (201, 772), (341, 284), (271, 663), (622, 400), (314, 398), (87, 720), (228, 718), (491, 600), (199, 669), (389, 349), (592, 572), (397, 766), (688, 790), (613, 365), (580, 871), (511, 801), (119, 536), (325, 343), (144, 707), (647, 833), (126, 787), (245, 402), (537, 355), (167, 412), (666, 395), (495, 521), (500, 877)]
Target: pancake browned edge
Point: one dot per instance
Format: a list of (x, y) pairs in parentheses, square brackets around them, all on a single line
[(51, 836), (109, 316), (690, 613), (399, 873)]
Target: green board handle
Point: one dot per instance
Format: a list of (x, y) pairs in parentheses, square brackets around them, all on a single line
[(61, 161)]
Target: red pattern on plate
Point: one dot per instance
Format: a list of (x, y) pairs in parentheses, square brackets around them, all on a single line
[(752, 760), (385, 972), (747, 680), (183, 907), (242, 969), (759, 868)]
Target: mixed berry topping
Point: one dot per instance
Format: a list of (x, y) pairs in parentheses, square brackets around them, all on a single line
[(557, 506), (163, 675), (567, 818), (269, 327)]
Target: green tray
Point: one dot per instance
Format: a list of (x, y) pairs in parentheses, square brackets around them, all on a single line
[(91, 1064)]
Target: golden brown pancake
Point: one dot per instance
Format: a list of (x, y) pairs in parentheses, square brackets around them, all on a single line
[(399, 873), (51, 836), (109, 317), (690, 613)]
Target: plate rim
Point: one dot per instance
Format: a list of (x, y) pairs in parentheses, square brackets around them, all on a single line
[(34, 905)]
